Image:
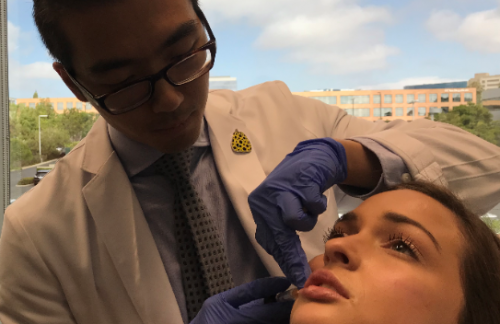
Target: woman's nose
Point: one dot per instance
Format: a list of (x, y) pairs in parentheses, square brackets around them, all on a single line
[(343, 252), (166, 98)]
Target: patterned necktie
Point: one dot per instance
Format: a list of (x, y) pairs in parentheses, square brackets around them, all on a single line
[(204, 265)]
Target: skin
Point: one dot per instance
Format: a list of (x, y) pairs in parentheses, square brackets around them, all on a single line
[(135, 30), (386, 284)]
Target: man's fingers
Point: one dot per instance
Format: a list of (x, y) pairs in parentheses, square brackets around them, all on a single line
[(293, 214), (258, 289)]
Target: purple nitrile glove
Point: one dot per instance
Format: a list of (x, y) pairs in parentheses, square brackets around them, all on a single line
[(245, 304), (291, 198)]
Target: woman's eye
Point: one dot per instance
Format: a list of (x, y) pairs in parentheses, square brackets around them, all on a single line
[(334, 233), (404, 246)]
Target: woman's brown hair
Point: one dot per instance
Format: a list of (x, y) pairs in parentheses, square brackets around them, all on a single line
[(480, 269)]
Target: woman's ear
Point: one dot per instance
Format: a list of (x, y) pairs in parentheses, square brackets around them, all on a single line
[(59, 68), (317, 262)]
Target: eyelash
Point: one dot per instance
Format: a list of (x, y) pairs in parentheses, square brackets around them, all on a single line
[(414, 252)]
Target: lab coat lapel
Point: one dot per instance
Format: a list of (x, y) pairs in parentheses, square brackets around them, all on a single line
[(241, 173), (121, 225)]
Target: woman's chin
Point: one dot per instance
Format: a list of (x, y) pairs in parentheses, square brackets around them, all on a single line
[(307, 312)]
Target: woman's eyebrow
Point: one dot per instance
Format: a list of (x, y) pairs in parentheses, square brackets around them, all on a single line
[(398, 218)]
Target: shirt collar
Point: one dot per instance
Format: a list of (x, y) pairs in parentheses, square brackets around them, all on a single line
[(136, 157)]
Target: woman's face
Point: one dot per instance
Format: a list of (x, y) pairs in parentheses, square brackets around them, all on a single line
[(394, 259)]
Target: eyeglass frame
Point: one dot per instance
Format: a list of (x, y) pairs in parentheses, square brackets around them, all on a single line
[(154, 78)]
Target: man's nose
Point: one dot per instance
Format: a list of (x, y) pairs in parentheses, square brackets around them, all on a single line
[(167, 98), (343, 252)]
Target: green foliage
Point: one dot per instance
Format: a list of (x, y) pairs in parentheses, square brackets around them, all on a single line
[(58, 131), (35, 95), (494, 224), (479, 90), (25, 181), (475, 119)]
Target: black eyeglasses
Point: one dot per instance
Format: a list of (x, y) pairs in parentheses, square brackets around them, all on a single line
[(184, 69)]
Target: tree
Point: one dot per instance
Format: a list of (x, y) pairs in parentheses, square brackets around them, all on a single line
[(479, 90), (475, 119), (35, 95)]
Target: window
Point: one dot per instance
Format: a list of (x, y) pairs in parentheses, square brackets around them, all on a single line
[(409, 111), (445, 97), (331, 100), (386, 112), (421, 97), (69, 105), (32, 105), (468, 97), (387, 98), (376, 99), (356, 100), (88, 106), (362, 112), (400, 112), (410, 98), (445, 109), (78, 105), (60, 106), (434, 111), (399, 98), (349, 111), (422, 111), (457, 97), (433, 97)]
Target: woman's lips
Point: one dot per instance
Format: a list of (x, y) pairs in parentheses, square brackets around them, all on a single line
[(322, 285)]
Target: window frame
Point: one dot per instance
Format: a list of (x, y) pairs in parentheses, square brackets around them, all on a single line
[(4, 113)]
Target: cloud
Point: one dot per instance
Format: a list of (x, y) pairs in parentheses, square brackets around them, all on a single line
[(406, 82), (330, 36), (14, 34), (477, 31)]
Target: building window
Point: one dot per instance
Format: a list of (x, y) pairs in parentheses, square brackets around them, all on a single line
[(421, 97), (69, 105), (409, 111), (376, 99), (88, 106), (60, 106), (349, 111), (468, 97), (362, 112), (434, 111), (387, 98), (386, 112), (445, 97), (32, 105), (433, 97), (445, 109), (400, 112), (331, 100), (356, 100), (422, 111), (78, 105), (399, 98), (410, 98), (457, 97)]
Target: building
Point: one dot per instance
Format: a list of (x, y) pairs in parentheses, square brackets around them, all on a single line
[(59, 104), (223, 82), (487, 81), (395, 104), (446, 85), (491, 100)]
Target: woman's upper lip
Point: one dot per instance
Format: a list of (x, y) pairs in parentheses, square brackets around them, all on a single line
[(325, 277)]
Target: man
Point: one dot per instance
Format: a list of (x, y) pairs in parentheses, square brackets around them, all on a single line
[(112, 236)]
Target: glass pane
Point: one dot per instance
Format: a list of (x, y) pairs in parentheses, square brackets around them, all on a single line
[(399, 98), (399, 111), (422, 111), (376, 99), (468, 97), (410, 98), (445, 97), (129, 96), (387, 112), (190, 68), (421, 97), (457, 97), (387, 98), (409, 111), (433, 97)]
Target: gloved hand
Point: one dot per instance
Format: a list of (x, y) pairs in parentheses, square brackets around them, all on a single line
[(291, 198), (245, 304)]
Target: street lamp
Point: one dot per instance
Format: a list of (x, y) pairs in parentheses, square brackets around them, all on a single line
[(40, 135), (380, 101), (413, 108)]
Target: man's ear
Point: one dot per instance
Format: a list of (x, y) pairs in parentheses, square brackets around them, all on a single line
[(59, 68)]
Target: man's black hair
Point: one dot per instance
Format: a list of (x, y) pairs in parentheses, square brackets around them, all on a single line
[(47, 15)]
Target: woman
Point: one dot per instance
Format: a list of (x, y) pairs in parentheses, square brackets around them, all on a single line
[(414, 255)]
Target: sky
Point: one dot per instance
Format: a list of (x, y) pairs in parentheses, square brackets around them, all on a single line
[(311, 44)]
